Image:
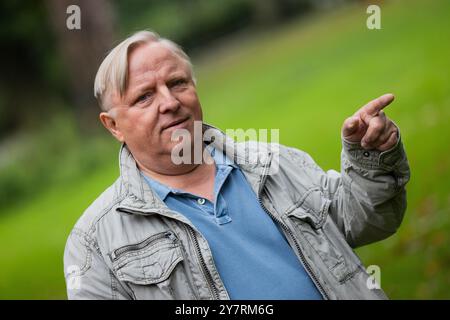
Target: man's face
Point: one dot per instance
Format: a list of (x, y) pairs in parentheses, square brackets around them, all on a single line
[(160, 97)]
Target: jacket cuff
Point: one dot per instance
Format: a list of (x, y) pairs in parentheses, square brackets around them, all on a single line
[(374, 159)]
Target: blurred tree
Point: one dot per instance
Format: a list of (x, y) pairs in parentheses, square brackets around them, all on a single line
[(46, 66), (192, 23), (83, 50), (265, 12), (28, 64)]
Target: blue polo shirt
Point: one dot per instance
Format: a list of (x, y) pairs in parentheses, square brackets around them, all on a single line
[(251, 254)]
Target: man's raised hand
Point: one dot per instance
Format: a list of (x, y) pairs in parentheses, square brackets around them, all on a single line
[(370, 127)]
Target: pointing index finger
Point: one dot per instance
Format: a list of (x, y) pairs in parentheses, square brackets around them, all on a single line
[(375, 106)]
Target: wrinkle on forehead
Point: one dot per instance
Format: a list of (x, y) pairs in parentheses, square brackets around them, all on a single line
[(153, 58), (145, 75)]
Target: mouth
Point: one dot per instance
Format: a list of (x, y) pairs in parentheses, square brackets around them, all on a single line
[(176, 124)]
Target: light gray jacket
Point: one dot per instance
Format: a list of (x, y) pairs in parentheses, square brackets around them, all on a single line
[(129, 245)]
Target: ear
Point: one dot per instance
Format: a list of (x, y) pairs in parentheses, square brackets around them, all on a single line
[(108, 121)]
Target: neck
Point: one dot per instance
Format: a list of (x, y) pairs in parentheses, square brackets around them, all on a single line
[(194, 178)]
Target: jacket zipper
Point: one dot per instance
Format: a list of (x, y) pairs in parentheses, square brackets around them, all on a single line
[(206, 272), (285, 228), (138, 246)]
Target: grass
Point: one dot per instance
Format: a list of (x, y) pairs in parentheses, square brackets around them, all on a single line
[(304, 78)]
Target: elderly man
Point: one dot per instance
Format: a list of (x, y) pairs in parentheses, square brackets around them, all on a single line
[(229, 227)]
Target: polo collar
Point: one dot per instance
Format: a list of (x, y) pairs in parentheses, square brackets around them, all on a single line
[(254, 163)]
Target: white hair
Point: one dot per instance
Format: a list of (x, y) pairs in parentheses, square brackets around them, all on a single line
[(113, 71)]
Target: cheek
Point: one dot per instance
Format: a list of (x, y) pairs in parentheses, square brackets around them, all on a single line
[(191, 101), (139, 124)]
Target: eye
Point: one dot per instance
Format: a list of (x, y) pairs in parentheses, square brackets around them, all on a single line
[(178, 82), (145, 97)]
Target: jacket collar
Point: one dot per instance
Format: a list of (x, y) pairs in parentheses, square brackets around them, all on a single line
[(254, 160)]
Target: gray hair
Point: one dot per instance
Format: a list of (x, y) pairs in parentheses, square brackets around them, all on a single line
[(113, 71)]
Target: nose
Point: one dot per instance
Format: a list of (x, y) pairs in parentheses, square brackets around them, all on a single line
[(168, 103)]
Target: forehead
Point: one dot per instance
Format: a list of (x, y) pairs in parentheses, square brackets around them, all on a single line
[(153, 57), (145, 62)]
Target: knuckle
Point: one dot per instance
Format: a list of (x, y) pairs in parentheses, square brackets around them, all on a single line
[(369, 138), (389, 123), (393, 136), (348, 121), (378, 126)]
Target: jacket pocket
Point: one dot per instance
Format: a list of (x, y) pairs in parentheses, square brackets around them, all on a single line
[(309, 217), (152, 268)]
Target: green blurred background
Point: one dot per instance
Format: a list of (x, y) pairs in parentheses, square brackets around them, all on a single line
[(302, 66)]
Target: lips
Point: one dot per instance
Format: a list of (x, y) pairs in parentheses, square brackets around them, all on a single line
[(174, 123)]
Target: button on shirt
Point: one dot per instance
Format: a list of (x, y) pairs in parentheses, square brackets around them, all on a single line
[(251, 254)]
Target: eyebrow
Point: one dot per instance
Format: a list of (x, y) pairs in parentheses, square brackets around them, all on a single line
[(150, 85), (176, 78), (177, 75), (141, 90)]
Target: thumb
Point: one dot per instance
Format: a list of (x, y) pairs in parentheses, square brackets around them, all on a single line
[(350, 126)]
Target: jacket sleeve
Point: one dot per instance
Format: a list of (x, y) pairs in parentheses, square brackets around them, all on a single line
[(86, 273), (368, 196)]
